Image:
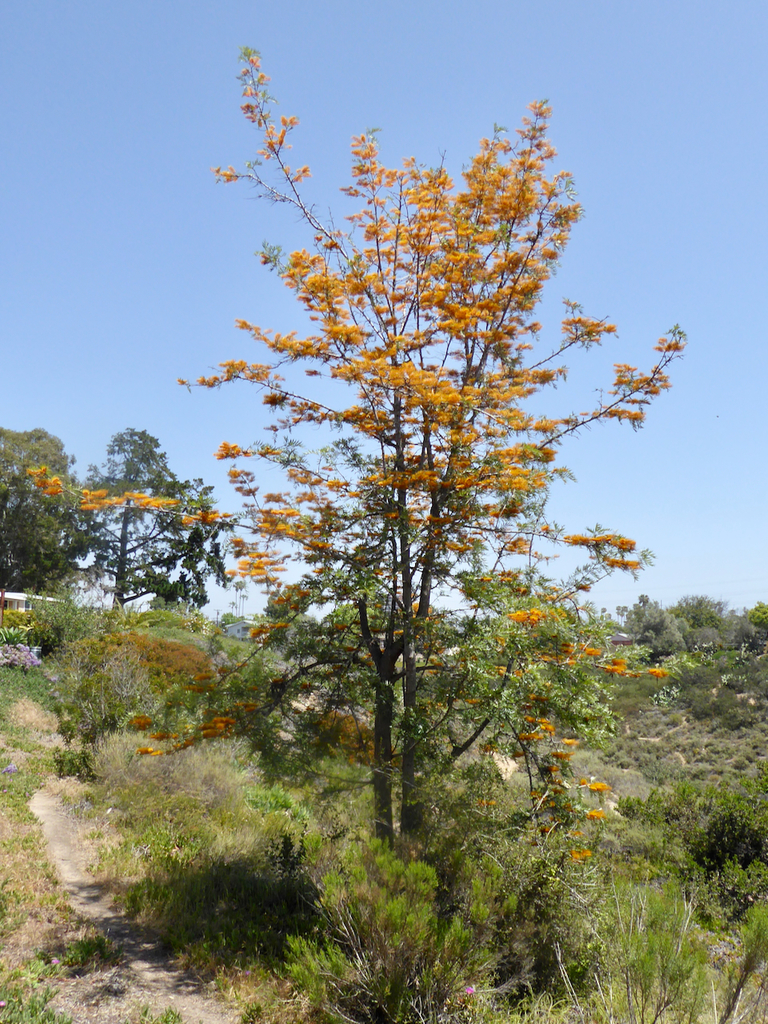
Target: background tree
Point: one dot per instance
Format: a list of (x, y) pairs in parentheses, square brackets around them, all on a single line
[(656, 628), (418, 527), (42, 536), (758, 616), (170, 553), (700, 611)]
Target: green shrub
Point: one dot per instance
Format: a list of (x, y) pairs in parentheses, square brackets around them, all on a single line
[(63, 620), (22, 620), (549, 919), (390, 954), (100, 687), (75, 763), (104, 682), (656, 963)]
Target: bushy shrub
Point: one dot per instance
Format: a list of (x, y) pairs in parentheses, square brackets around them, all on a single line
[(74, 763), (724, 836), (169, 663), (14, 617), (550, 918), (390, 954), (63, 620), (104, 682), (655, 961), (99, 687)]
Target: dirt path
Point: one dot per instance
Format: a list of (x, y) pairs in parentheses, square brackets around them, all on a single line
[(146, 975)]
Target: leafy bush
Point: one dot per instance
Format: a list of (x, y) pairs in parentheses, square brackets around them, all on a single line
[(549, 919), (74, 763), (655, 958), (63, 620), (104, 682), (100, 686), (724, 836), (391, 955), (14, 617)]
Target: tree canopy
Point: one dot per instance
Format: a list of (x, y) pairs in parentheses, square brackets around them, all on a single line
[(170, 551), (417, 527), (41, 535)]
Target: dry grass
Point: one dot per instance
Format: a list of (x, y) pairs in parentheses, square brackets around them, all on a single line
[(27, 714)]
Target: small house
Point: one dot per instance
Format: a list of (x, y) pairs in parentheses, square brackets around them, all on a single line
[(240, 630)]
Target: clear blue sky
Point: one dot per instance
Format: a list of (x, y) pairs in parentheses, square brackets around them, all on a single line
[(124, 266)]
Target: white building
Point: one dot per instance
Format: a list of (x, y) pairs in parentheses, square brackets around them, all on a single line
[(14, 602), (239, 630)]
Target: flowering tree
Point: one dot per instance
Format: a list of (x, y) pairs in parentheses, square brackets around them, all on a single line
[(416, 527)]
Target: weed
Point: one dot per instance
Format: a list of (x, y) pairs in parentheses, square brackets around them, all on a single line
[(91, 953), (20, 1006), (167, 1016), (77, 763)]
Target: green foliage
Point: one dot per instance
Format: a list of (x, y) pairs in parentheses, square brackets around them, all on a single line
[(63, 619), (167, 1016), (41, 536), (718, 839), (758, 616), (221, 879), (13, 617), (13, 635), (33, 685), (725, 688), (659, 631), (391, 954), (21, 1006), (91, 953), (754, 955), (149, 552), (101, 685), (700, 612), (180, 617), (104, 682), (74, 763), (656, 957)]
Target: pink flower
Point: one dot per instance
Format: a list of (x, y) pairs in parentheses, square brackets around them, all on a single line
[(470, 990)]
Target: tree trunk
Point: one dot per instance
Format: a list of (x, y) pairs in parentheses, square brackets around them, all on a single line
[(382, 764), (122, 561), (411, 809)]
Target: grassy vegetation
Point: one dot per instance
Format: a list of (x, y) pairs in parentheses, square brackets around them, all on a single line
[(274, 889)]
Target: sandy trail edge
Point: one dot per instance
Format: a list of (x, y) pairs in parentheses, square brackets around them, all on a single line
[(160, 982)]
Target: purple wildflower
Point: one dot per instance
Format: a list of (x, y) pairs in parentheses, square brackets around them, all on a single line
[(18, 656)]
